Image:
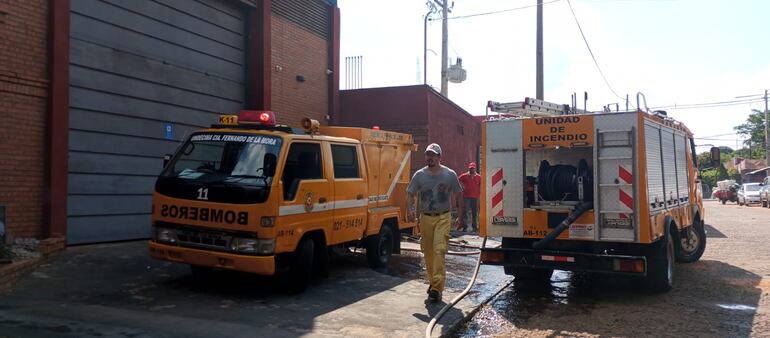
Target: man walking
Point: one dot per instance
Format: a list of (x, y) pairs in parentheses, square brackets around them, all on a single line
[(471, 182), (436, 186)]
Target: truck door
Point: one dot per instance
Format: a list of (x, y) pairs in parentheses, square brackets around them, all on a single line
[(307, 191), (350, 199)]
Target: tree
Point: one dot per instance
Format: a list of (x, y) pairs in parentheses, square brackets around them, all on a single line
[(754, 130), (710, 175)]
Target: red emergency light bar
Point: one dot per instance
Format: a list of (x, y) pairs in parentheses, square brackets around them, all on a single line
[(263, 117)]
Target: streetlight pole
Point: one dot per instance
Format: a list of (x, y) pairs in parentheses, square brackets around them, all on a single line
[(425, 44), (539, 52), (444, 51)]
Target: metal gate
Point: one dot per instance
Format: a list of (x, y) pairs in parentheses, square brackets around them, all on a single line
[(143, 74)]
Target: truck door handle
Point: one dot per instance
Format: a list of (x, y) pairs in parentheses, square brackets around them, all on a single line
[(359, 196), (322, 200)]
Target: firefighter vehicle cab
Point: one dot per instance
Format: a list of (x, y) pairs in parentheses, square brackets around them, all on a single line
[(250, 195)]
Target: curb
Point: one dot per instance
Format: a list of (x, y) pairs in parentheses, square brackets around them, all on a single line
[(453, 328), (10, 273)]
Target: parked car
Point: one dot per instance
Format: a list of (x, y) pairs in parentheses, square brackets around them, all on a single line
[(764, 193), (749, 193)]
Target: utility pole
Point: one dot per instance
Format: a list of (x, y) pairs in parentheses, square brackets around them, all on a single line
[(767, 135), (444, 51), (539, 52)]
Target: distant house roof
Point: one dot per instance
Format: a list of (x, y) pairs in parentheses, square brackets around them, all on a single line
[(759, 170), (743, 165)]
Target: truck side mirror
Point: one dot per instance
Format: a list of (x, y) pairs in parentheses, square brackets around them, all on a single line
[(166, 159), (715, 156), (269, 164)]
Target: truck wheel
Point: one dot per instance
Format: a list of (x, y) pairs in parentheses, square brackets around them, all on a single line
[(660, 270), (379, 247), (764, 204), (301, 269), (724, 201), (529, 276), (692, 243)]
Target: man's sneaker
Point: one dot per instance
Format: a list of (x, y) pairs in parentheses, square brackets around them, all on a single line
[(434, 296)]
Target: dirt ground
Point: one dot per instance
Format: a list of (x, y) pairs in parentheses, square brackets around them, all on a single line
[(725, 294)]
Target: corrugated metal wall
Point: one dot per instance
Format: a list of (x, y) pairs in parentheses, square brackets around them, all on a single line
[(137, 67), (312, 15)]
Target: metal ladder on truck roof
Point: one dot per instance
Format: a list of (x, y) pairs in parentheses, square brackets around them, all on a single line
[(615, 202)]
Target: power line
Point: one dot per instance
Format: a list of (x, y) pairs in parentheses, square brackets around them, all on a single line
[(496, 12), (591, 52), (718, 135), (710, 104)]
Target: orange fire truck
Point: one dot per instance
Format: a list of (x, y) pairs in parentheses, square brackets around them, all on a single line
[(250, 195), (610, 192)]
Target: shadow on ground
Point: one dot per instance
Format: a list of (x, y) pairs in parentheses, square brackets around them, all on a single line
[(117, 290)]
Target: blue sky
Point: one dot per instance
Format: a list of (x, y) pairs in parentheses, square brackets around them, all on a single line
[(673, 51)]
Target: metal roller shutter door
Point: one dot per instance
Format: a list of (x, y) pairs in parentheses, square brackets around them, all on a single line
[(669, 167), (136, 67), (654, 168)]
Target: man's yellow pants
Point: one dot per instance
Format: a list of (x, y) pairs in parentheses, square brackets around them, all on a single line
[(435, 237)]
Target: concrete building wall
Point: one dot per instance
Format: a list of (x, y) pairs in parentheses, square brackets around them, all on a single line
[(458, 133), (417, 110), (300, 58), (23, 106)]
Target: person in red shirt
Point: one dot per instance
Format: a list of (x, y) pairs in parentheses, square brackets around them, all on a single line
[(471, 182)]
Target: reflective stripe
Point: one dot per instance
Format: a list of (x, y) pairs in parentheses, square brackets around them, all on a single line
[(286, 210), (558, 258), (376, 198)]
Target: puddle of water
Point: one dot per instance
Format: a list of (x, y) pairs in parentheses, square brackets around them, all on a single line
[(738, 307)]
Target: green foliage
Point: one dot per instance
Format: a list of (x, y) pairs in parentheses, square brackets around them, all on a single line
[(754, 130), (710, 177), (709, 174)]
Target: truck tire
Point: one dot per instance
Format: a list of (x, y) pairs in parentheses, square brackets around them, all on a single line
[(379, 247), (660, 266), (692, 243), (724, 201), (301, 269)]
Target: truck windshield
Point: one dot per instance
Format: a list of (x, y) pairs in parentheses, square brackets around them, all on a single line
[(752, 187), (226, 158)]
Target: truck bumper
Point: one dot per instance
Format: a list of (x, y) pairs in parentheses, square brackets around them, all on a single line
[(564, 260), (261, 265)]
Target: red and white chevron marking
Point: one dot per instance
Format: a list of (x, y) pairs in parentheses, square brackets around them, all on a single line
[(496, 191), (625, 198)]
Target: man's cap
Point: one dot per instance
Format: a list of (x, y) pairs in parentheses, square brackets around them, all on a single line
[(434, 148), (472, 165)]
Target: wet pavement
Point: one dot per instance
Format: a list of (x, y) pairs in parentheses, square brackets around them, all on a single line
[(116, 290), (725, 294)]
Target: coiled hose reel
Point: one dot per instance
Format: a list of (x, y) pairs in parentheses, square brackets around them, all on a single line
[(564, 182)]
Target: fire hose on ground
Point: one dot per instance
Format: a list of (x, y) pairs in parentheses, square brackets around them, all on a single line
[(574, 215), (434, 320)]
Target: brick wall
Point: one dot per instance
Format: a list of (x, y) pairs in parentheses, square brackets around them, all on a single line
[(23, 105), (296, 51)]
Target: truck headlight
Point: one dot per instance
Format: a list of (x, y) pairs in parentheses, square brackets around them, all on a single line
[(253, 245), (165, 235)]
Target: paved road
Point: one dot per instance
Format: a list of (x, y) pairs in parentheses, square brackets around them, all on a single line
[(725, 294), (116, 290)]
